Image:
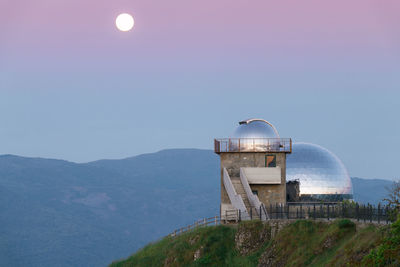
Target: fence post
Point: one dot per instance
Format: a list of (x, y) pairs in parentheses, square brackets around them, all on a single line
[(270, 210), (240, 215), (280, 211), (357, 212), (379, 213), (364, 215), (297, 213), (215, 220), (386, 215), (251, 214), (328, 212), (314, 211), (321, 211), (287, 211), (342, 210), (301, 211), (370, 213)]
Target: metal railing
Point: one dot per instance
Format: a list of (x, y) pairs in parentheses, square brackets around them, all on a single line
[(253, 199), (200, 223), (259, 213), (300, 210), (253, 145), (236, 199)]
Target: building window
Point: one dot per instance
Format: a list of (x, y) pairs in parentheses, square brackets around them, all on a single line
[(270, 160), (255, 192)]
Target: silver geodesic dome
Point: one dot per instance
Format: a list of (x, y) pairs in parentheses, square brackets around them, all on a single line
[(255, 128), (321, 174)]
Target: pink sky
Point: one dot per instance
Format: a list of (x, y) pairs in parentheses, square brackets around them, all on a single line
[(212, 28)]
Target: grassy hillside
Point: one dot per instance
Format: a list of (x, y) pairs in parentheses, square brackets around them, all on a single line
[(301, 243)]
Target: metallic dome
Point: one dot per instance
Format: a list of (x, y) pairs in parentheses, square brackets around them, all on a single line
[(255, 128), (321, 174)]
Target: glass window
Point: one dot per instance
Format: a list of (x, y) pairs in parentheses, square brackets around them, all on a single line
[(270, 160)]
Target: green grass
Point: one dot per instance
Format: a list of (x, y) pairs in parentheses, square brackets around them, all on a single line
[(388, 251), (308, 243), (215, 243), (301, 243), (216, 246)]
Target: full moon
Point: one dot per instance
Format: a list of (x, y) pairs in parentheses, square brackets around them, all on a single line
[(124, 22)]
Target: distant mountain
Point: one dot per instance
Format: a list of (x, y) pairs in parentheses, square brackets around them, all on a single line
[(370, 190), (60, 213)]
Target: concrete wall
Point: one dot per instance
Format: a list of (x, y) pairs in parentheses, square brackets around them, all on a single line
[(268, 194), (270, 175)]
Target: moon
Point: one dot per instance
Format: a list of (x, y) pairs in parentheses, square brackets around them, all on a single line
[(124, 22)]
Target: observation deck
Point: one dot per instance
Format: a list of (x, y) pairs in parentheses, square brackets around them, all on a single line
[(226, 145)]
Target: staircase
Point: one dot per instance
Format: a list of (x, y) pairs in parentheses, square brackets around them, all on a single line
[(242, 198), (237, 184)]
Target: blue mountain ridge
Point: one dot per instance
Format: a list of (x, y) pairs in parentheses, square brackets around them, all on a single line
[(60, 213)]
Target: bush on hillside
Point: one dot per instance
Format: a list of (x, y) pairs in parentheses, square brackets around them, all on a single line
[(345, 224), (387, 253)]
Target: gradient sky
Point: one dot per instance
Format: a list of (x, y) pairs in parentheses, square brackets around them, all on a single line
[(73, 87)]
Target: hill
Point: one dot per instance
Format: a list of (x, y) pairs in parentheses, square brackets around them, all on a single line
[(370, 190), (60, 213), (253, 243)]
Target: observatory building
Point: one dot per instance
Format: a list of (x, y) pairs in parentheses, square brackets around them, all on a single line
[(253, 167), (258, 169)]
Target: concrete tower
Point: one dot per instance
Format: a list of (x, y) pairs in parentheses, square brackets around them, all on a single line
[(253, 168)]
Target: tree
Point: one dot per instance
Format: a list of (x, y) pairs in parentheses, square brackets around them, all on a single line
[(393, 199)]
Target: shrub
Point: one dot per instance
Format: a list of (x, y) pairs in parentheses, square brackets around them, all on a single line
[(387, 253), (345, 224)]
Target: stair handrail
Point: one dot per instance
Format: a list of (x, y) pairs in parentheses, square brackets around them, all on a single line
[(253, 199), (236, 199)]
